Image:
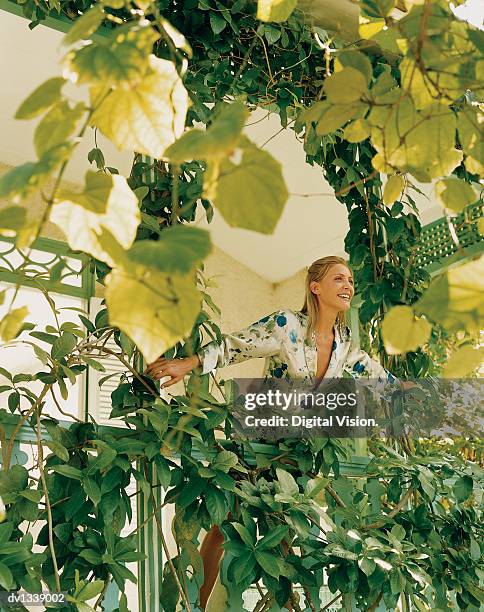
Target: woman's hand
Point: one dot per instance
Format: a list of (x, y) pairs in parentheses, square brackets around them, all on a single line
[(174, 369)]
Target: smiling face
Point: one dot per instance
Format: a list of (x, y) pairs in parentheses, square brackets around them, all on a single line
[(335, 290)]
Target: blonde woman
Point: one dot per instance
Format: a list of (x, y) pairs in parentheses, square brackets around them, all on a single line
[(310, 344)]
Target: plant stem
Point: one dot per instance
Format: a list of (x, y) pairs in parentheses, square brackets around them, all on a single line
[(165, 548), (40, 451)]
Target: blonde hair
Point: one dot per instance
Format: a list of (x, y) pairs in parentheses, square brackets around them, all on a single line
[(317, 271)]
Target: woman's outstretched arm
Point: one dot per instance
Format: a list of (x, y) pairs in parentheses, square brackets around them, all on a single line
[(261, 339)]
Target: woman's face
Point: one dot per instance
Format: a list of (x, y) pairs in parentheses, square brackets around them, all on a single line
[(335, 290)]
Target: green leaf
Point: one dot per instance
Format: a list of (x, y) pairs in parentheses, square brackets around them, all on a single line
[(41, 99), (273, 538), (148, 115), (275, 10), (463, 361), (74, 214), (96, 365), (63, 345), (58, 449), (346, 86), (179, 250), (220, 138), (57, 125), (217, 22), (153, 309), (244, 533), (470, 125), (377, 8), (121, 58), (216, 505), (287, 483), (393, 188), (357, 131), (455, 299), (462, 488), (90, 590), (85, 25), (268, 563), (27, 178), (12, 219), (356, 60), (454, 194), (224, 461), (250, 194), (92, 490), (67, 470), (402, 332), (11, 324), (6, 577)]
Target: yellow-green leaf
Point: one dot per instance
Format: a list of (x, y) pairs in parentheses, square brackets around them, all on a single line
[(402, 332), (346, 86), (83, 227), (357, 131), (179, 249), (41, 99), (85, 25), (217, 141), (369, 28), (3, 512), (393, 188), (463, 361), (454, 194), (455, 299), (23, 180), (11, 324), (356, 60), (146, 116), (57, 125), (155, 310), (471, 136), (12, 219), (275, 10), (123, 57), (337, 115), (376, 9), (249, 194), (480, 226)]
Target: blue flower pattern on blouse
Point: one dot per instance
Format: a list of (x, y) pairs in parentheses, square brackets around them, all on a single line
[(281, 338)]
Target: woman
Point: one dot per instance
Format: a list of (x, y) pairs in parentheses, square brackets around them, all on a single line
[(311, 344)]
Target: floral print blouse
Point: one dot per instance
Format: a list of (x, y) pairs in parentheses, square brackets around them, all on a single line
[(281, 338)]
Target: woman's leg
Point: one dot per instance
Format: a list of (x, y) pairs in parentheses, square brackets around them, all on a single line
[(211, 553)]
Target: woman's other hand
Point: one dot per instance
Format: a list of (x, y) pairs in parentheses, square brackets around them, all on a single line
[(173, 369)]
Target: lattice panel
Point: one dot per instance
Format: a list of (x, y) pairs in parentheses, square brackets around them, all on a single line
[(437, 243), (36, 267)]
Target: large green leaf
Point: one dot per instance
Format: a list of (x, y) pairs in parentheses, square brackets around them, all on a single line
[(471, 136), (249, 194), (463, 488), (74, 214), (455, 299), (463, 361), (454, 194), (41, 99), (121, 58), (354, 59), (57, 125), (216, 505), (275, 10), (147, 115), (153, 309), (346, 86), (31, 176), (179, 249), (218, 140), (402, 332), (85, 25)]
